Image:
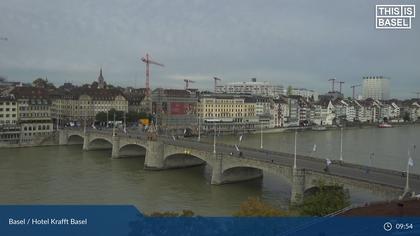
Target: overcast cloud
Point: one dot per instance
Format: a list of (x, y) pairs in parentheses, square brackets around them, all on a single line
[(289, 42)]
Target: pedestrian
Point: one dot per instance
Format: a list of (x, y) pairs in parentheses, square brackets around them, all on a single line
[(327, 166)]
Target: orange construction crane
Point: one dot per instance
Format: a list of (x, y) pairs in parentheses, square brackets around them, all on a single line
[(215, 82), (187, 82), (148, 61), (354, 87)]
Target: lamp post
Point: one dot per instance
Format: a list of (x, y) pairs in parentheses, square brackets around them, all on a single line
[(214, 139), (261, 141), (371, 156), (294, 160), (107, 119), (341, 144), (125, 124), (199, 128), (113, 126), (84, 126)]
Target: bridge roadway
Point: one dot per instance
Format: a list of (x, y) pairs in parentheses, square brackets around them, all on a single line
[(388, 184)]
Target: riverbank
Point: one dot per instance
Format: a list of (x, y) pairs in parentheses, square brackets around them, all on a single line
[(309, 128), (51, 140)]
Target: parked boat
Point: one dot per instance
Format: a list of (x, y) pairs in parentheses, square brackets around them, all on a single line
[(319, 128), (384, 125)]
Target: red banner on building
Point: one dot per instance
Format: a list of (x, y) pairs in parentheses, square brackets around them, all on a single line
[(181, 108)]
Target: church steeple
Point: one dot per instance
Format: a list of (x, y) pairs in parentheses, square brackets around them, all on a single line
[(101, 81)]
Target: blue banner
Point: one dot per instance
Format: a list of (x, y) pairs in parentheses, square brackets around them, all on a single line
[(127, 220)]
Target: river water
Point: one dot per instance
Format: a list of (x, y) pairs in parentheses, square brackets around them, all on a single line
[(67, 175)]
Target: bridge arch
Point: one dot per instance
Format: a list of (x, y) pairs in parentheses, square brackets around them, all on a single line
[(132, 149), (99, 143), (75, 139), (255, 169), (241, 173), (183, 160)]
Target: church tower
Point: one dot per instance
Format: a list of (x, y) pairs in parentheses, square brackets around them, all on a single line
[(101, 81)]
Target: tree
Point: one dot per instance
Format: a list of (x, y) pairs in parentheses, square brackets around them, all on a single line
[(289, 90), (42, 83), (325, 200), (39, 83), (94, 85), (255, 207), (101, 117), (119, 115)]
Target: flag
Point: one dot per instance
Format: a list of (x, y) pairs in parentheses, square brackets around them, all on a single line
[(328, 161), (125, 129), (173, 137), (237, 148), (185, 131), (410, 161), (93, 125), (314, 149), (240, 138)]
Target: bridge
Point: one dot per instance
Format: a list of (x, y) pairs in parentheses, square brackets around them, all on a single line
[(228, 167)]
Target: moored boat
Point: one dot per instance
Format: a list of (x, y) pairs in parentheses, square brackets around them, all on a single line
[(385, 125), (319, 128)]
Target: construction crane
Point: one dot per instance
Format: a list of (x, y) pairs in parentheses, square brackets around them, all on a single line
[(187, 82), (215, 82), (333, 83), (418, 94), (354, 87), (341, 83), (147, 61)]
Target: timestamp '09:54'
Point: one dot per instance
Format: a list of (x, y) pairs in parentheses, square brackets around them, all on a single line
[(404, 226)]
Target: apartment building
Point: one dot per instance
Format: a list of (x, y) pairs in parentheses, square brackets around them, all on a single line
[(82, 104), (228, 111)]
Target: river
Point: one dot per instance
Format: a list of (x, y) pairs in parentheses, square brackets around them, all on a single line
[(67, 175)]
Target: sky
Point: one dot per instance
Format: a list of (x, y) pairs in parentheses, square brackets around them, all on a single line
[(287, 42)]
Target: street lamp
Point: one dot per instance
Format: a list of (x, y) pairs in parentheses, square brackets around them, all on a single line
[(113, 126), (107, 119), (214, 139), (294, 161), (341, 144), (261, 142), (199, 128), (371, 156)]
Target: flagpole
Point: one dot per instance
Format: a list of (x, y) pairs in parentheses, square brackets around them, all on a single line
[(294, 161)]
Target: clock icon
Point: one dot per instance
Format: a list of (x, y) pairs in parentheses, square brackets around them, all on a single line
[(387, 226)]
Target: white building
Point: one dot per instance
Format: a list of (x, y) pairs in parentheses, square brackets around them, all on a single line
[(8, 111), (376, 87), (306, 93), (264, 88)]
